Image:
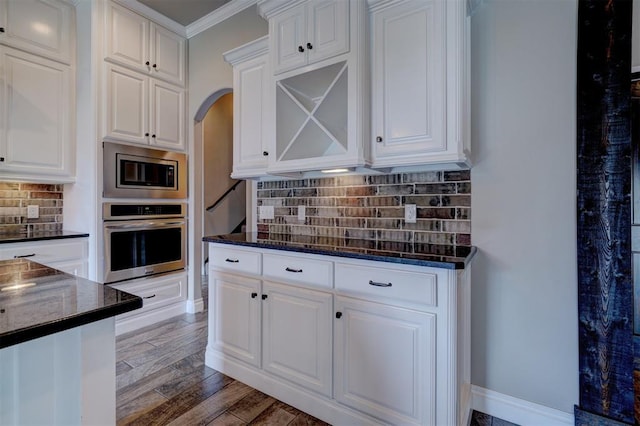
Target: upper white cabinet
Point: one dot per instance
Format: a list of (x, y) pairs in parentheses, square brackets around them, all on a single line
[(36, 116), (251, 101), (43, 27), (136, 42), (143, 110), (308, 33), (321, 104), (419, 83)]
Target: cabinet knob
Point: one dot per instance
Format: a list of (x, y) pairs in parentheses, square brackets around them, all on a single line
[(254, 295), (153, 136), (300, 49), (338, 315), (1, 29), (147, 63), (1, 159), (265, 153), (379, 139), (146, 135), (309, 46), (155, 66), (264, 296)]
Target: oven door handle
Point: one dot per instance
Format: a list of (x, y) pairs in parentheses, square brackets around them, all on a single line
[(142, 225)]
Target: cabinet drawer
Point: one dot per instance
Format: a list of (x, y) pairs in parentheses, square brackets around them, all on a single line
[(228, 259), (46, 252), (299, 270), (156, 292), (415, 287)]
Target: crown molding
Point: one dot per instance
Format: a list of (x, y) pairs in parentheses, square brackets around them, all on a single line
[(247, 51), (217, 16), (156, 17)]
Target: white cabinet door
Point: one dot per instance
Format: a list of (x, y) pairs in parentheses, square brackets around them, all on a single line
[(289, 33), (167, 54), (127, 37), (127, 106), (166, 116), (234, 316), (296, 335), (385, 361), (409, 79), (42, 27), (37, 114), (308, 33), (328, 29)]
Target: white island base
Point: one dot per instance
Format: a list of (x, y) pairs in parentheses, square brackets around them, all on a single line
[(66, 378)]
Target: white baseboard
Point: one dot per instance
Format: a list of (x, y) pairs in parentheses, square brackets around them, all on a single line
[(517, 410), (194, 306), (134, 322)]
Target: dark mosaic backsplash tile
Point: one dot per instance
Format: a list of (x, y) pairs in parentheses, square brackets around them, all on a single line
[(371, 208), (16, 196)]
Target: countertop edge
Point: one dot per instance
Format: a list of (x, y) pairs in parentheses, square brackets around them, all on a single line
[(41, 237), (455, 265), (41, 330)]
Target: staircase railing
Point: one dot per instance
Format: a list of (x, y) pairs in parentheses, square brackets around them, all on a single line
[(223, 196)]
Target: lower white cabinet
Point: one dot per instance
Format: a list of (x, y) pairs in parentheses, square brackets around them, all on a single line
[(68, 254), (346, 340), (163, 297)]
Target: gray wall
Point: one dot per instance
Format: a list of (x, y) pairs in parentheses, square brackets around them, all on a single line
[(524, 309)]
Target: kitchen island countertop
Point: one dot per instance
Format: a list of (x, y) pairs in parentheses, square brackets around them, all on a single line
[(420, 254), (36, 301)]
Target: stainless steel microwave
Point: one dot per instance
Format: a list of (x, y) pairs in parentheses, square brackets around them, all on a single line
[(138, 172)]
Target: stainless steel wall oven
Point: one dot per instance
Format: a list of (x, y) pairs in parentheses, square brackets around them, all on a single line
[(143, 239)]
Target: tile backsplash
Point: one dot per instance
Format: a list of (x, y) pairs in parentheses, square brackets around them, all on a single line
[(372, 208), (16, 196)]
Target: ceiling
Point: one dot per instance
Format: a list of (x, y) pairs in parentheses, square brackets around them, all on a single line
[(184, 12)]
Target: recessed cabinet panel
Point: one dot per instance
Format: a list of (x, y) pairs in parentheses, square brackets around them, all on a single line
[(297, 336), (236, 329), (167, 122), (127, 36), (252, 92), (43, 27), (36, 107), (167, 54), (330, 32), (289, 34), (409, 64), (399, 345), (127, 97)]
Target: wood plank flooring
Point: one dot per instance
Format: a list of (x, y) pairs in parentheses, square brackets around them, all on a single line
[(161, 379)]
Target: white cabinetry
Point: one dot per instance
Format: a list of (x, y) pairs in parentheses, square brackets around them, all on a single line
[(68, 254), (251, 101), (138, 43), (349, 341), (36, 116), (308, 33), (162, 296), (37, 91), (321, 112), (43, 27), (419, 83), (143, 110)]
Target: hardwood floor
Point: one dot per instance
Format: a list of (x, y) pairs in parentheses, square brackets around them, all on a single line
[(161, 379)]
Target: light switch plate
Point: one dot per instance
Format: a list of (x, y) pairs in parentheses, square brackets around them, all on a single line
[(410, 213), (33, 212), (265, 212)]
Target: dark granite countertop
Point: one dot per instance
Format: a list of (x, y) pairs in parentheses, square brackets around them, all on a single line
[(36, 301), (40, 236), (447, 257)]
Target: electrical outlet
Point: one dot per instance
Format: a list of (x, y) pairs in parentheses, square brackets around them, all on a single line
[(265, 212), (410, 213), (301, 213), (33, 212)]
